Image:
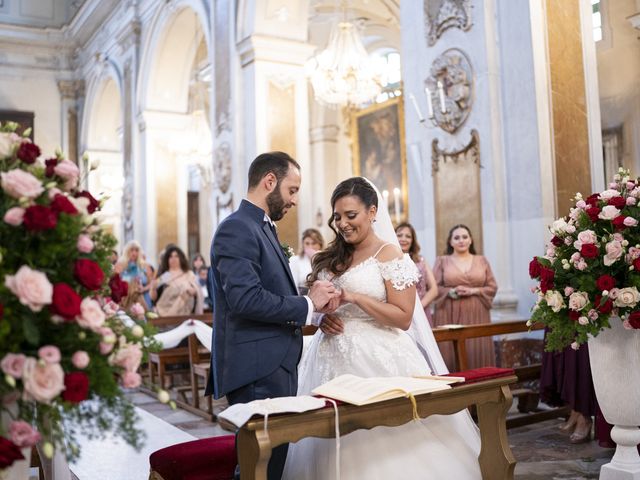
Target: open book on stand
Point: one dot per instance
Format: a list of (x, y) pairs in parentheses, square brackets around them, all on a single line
[(363, 391)]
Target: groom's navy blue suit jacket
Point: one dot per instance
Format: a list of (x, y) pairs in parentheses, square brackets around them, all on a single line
[(257, 310)]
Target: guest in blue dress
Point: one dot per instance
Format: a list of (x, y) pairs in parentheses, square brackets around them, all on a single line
[(134, 270)]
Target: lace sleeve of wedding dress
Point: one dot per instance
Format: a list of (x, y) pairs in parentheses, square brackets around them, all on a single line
[(401, 272)]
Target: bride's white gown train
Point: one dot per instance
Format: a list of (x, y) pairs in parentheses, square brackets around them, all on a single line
[(438, 448)]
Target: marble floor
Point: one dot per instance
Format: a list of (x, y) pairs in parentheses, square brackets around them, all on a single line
[(542, 452)]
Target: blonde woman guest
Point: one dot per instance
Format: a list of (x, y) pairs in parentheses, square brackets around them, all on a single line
[(176, 291), (312, 242), (466, 287), (134, 270), (426, 286)]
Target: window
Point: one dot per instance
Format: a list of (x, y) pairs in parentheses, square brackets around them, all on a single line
[(388, 64), (596, 17)]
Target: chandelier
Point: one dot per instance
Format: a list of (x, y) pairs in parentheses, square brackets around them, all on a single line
[(343, 73)]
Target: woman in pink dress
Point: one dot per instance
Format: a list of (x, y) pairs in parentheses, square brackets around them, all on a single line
[(466, 288), (426, 287)]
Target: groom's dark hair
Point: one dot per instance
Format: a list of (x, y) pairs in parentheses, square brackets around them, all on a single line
[(277, 163)]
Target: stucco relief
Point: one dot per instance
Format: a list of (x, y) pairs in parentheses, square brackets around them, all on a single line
[(443, 14), (222, 169)]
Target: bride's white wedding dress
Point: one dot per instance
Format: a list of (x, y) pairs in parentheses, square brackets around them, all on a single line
[(439, 447)]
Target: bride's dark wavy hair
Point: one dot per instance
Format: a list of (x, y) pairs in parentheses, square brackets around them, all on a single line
[(336, 258)]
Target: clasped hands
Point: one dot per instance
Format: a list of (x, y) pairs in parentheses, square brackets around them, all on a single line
[(326, 299)]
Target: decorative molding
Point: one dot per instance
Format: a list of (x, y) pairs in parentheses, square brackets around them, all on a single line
[(441, 15), (451, 82), (129, 36), (222, 168), (71, 89), (324, 133), (469, 153), (282, 80)]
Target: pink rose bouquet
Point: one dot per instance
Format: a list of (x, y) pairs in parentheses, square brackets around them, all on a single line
[(591, 269), (61, 342)]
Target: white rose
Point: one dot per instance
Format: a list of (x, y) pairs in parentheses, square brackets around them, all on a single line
[(609, 213), (554, 300), (607, 194), (558, 227), (578, 300), (627, 297)]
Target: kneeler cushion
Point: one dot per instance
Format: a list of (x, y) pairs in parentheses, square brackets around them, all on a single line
[(205, 459), (480, 374)]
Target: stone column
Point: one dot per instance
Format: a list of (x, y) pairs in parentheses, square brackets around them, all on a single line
[(71, 97)]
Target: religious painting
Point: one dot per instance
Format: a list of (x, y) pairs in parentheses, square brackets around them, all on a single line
[(377, 140), (23, 119)]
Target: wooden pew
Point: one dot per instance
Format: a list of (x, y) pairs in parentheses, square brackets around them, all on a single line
[(492, 399), (159, 361), (458, 337)]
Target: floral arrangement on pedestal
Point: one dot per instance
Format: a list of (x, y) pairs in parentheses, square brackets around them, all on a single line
[(64, 353), (591, 269)]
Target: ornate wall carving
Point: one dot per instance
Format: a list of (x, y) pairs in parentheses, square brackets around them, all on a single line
[(222, 167), (456, 181), (450, 88), (443, 14)]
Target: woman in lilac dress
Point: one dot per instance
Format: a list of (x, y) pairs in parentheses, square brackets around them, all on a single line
[(426, 286)]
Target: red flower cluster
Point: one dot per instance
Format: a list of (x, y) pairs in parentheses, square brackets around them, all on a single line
[(119, 288), (9, 453), (65, 301), (76, 387)]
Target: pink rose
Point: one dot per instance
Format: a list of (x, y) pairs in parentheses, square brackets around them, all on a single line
[(69, 171), (631, 201), (614, 252), (131, 380), (593, 315), (50, 354), (110, 308), (568, 291), (23, 434), (84, 244), (137, 310), (42, 381), (80, 359), (13, 364), (613, 192), (609, 213), (91, 315), (18, 183), (585, 237), (14, 216), (53, 192), (8, 143), (108, 340), (581, 265), (630, 222), (581, 204), (32, 288), (128, 357)]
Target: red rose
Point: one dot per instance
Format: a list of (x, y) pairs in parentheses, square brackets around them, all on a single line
[(65, 301), (534, 268), (93, 203), (1, 310), (76, 387), (557, 241), (61, 204), (546, 279), (593, 213), (618, 222), (589, 250), (9, 453), (593, 199), (636, 264), (573, 315), (617, 202), (603, 307), (605, 282), (88, 273), (50, 165), (39, 217), (119, 289), (28, 152), (634, 319)]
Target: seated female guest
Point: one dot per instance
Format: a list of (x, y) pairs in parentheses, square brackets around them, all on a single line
[(426, 286), (176, 290), (312, 242), (466, 288), (134, 270)]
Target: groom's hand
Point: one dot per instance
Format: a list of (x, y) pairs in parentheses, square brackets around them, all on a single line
[(320, 293), (331, 325), (333, 304)]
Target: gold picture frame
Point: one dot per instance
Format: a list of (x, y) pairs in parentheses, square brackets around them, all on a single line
[(379, 153)]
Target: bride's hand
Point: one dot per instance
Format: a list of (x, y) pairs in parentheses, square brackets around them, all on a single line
[(347, 297), (332, 305), (331, 325)]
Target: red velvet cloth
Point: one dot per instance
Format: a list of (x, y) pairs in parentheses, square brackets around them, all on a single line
[(205, 459), (481, 374)]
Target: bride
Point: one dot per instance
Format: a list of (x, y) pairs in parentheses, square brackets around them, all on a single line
[(377, 331)]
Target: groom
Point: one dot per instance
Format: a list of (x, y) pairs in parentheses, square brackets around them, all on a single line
[(258, 319)]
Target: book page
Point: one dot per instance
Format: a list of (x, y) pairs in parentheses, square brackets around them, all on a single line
[(443, 378), (417, 386)]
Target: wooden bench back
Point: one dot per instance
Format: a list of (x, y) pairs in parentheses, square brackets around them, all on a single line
[(164, 323)]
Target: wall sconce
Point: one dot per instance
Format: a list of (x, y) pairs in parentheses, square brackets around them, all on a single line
[(448, 91)]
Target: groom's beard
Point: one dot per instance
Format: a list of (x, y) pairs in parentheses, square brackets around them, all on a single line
[(276, 204)]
